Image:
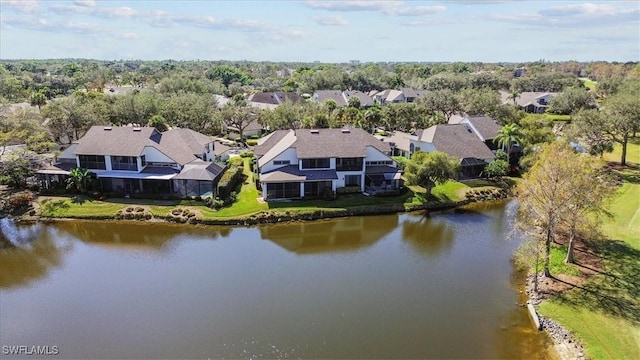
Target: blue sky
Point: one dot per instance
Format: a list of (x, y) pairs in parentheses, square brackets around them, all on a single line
[(318, 30)]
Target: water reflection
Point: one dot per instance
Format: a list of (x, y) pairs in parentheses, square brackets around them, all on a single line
[(343, 235), (132, 235), (28, 254), (428, 235)]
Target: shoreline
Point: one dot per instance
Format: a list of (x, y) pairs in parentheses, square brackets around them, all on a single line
[(268, 216), (566, 345)]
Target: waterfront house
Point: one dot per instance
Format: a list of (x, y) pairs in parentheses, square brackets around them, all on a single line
[(457, 140), (141, 160), (308, 163)]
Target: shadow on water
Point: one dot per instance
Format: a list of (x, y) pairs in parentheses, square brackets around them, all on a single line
[(337, 235), (131, 235), (29, 253), (430, 235)]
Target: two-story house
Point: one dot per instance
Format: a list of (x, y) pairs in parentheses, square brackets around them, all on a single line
[(311, 162), (132, 160)]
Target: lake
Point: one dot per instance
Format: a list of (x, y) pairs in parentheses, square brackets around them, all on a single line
[(391, 286)]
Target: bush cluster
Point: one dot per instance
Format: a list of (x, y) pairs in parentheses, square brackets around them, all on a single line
[(229, 181), (182, 216), (486, 194), (133, 213)]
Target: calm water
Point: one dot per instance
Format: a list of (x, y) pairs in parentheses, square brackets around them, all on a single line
[(396, 286)]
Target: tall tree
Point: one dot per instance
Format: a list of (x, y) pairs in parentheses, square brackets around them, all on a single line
[(429, 169), (546, 193), (38, 99), (514, 95), (619, 121), (238, 117), (444, 101)]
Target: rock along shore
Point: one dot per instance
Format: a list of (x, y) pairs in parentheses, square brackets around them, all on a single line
[(565, 344)]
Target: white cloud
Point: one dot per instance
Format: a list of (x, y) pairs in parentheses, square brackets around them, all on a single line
[(87, 3), (415, 10), (574, 15), (25, 6), (41, 24), (330, 20), (351, 5), (397, 8)]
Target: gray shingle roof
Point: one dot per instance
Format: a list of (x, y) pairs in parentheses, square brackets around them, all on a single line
[(459, 141), (327, 143), (365, 100), (269, 141), (336, 95), (200, 170), (291, 173), (181, 145), (486, 126)]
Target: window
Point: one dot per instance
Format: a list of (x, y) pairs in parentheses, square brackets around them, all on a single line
[(352, 180), (281, 162), (92, 162), (349, 164), (316, 189), (321, 163), (143, 158), (124, 163), (283, 190), (383, 162)]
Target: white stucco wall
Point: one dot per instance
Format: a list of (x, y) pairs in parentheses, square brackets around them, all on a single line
[(154, 155), (289, 154)]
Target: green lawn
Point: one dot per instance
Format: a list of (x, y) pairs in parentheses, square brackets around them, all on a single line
[(589, 83), (633, 152), (605, 312), (247, 202)]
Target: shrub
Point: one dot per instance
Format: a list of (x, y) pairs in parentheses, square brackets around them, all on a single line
[(247, 154), (252, 142), (229, 181), (348, 190)]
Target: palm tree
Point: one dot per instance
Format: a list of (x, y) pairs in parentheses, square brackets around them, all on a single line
[(372, 117), (506, 137), (513, 95), (79, 179)]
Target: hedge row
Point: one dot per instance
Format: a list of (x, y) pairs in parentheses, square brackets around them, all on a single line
[(229, 181)]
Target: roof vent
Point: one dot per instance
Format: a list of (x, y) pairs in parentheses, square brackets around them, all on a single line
[(346, 131), (315, 131), (137, 129), (107, 128)]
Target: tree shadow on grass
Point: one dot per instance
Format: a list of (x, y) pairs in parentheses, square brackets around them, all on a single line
[(616, 289)]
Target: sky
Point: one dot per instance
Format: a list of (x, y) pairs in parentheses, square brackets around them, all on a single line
[(319, 30)]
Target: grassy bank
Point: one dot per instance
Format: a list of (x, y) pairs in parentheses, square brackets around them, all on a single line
[(633, 152), (604, 312), (248, 203)]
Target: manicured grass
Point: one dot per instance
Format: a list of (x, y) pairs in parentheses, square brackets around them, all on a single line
[(633, 152), (247, 201), (556, 262), (625, 224), (605, 311)]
